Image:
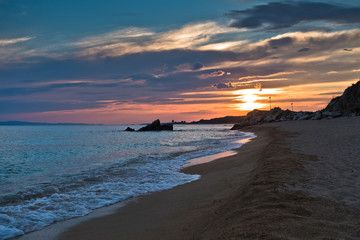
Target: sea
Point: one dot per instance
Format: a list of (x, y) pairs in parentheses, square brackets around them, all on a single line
[(52, 173)]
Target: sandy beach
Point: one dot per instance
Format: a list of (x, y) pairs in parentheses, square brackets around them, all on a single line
[(296, 180)]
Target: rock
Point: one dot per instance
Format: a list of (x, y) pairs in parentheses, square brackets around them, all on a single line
[(167, 127), (157, 126), (318, 115), (304, 117), (348, 102), (269, 118), (238, 126), (261, 116), (129, 129), (331, 114)]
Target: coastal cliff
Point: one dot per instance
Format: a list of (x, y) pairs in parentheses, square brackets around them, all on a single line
[(348, 103)]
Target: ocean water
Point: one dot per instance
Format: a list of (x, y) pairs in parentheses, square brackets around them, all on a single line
[(53, 173)]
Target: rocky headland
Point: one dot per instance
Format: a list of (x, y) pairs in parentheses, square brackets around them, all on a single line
[(348, 104)]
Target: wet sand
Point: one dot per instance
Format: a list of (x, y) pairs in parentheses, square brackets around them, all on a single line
[(296, 180)]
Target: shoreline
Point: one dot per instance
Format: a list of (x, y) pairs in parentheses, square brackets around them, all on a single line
[(145, 210), (268, 190), (53, 231)]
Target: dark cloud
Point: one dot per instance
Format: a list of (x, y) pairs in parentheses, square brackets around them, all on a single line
[(199, 112), (331, 93), (182, 102), (277, 15), (197, 66), (223, 85), (304, 49), (275, 43)]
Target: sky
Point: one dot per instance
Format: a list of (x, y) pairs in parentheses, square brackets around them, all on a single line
[(123, 62)]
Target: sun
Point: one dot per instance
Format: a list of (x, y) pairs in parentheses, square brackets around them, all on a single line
[(250, 102), (251, 99)]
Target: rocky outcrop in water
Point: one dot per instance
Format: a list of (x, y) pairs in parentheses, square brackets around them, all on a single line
[(129, 129), (157, 126), (348, 103)]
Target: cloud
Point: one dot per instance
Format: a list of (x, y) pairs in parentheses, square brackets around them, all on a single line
[(305, 49), (223, 85), (189, 67), (224, 45), (12, 51), (127, 41), (197, 66), (4, 42), (217, 73), (213, 74), (331, 93), (127, 34), (137, 40), (278, 15), (279, 42)]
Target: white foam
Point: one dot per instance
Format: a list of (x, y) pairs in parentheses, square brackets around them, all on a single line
[(8, 232)]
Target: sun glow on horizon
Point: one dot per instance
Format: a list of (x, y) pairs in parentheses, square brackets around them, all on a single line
[(254, 98)]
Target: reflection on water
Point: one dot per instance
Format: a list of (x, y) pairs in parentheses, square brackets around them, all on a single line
[(206, 159)]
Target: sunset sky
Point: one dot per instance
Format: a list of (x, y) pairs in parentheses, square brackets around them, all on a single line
[(121, 62)]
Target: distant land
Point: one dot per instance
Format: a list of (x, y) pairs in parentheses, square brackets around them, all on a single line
[(38, 123), (221, 120)]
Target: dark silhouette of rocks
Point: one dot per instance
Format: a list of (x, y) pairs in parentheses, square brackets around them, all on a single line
[(274, 115), (348, 103), (129, 129), (318, 115), (222, 120), (157, 126)]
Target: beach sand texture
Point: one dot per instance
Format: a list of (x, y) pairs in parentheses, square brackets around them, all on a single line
[(296, 180)]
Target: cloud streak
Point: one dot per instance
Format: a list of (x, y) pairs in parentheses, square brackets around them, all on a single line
[(136, 40), (4, 42)]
